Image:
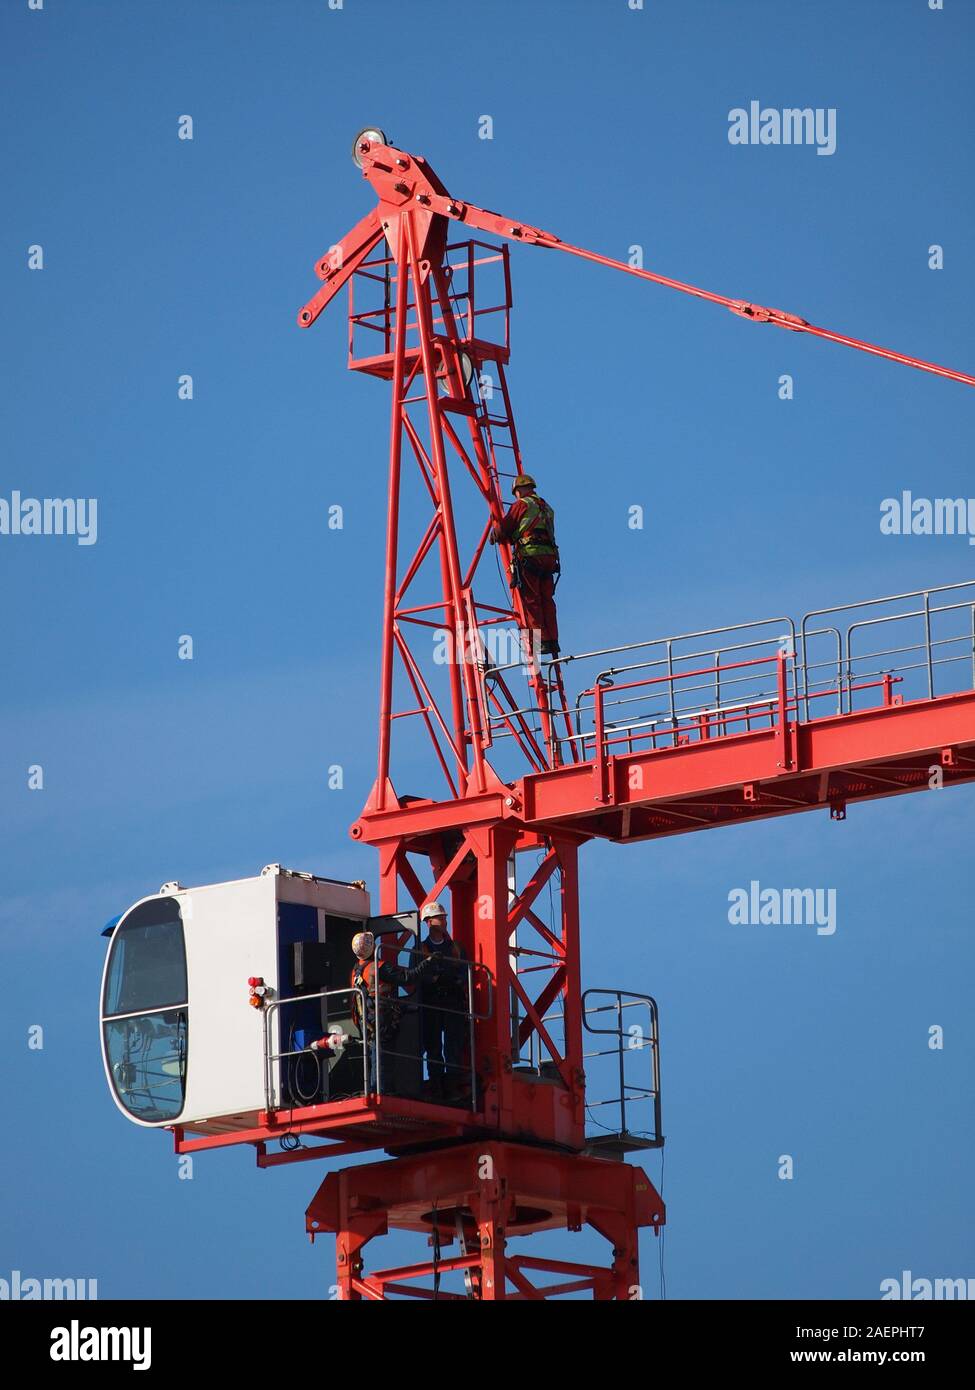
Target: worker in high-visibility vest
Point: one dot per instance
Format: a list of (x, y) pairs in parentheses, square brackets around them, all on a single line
[(529, 526), (379, 995)]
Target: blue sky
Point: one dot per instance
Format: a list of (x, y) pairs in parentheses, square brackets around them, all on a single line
[(164, 257)]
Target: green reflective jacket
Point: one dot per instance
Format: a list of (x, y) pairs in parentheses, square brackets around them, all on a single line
[(536, 529)]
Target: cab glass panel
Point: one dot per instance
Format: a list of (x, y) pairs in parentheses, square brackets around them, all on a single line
[(144, 1012)]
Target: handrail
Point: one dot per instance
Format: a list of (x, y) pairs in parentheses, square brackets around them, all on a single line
[(629, 1094), (775, 708), (673, 701), (272, 1078), (407, 1003), (374, 1049)]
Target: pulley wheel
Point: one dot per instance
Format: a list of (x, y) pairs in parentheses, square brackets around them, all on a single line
[(372, 133)]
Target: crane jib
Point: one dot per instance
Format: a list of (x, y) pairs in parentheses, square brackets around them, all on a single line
[(401, 180)]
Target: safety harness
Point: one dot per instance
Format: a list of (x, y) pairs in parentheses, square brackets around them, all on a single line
[(536, 530), (390, 1009)]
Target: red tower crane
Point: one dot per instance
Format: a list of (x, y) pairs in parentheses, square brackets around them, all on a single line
[(665, 737)]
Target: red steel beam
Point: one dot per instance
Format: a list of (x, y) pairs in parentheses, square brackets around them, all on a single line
[(501, 1190), (716, 766), (380, 1115), (683, 783)]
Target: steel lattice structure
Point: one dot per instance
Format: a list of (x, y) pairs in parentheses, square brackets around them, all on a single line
[(518, 1161)]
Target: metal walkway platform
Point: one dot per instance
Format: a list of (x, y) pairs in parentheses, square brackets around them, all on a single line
[(740, 723)]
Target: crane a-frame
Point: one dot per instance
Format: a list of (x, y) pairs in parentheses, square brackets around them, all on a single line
[(662, 738)]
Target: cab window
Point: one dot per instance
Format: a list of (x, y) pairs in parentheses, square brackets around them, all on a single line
[(145, 1014)]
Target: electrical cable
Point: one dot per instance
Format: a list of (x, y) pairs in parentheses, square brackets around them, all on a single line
[(435, 1242), (294, 1072)]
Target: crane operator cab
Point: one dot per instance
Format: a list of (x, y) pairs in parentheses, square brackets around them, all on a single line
[(180, 1044)]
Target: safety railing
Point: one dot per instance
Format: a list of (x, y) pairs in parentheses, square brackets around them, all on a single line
[(386, 1035), (746, 676), (699, 724), (668, 717), (281, 1087), (630, 1115), (477, 298), (441, 1027), (928, 639), (622, 1078), (712, 681)]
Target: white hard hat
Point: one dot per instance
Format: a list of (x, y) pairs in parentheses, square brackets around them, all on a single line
[(432, 910), (363, 944)]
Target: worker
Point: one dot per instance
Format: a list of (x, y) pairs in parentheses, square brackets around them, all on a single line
[(381, 996), (445, 1007), (529, 525)]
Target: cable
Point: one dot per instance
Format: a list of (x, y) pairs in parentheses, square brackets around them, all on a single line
[(294, 1072), (497, 559), (759, 314), (435, 1241), (636, 1133), (662, 1233)]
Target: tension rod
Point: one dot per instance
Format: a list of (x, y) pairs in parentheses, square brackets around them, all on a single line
[(759, 313)]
